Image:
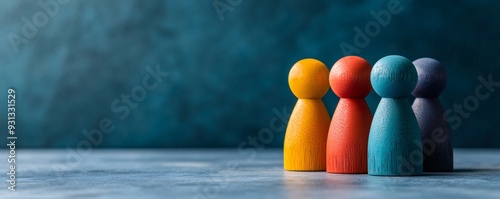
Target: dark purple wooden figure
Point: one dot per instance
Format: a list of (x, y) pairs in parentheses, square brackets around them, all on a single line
[(437, 144)]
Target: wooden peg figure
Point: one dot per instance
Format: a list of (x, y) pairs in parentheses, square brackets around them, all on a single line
[(305, 139), (394, 143), (436, 135), (348, 134)]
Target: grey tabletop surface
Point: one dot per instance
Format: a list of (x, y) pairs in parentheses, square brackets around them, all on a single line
[(229, 173)]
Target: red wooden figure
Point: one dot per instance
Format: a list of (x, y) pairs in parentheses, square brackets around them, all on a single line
[(348, 134)]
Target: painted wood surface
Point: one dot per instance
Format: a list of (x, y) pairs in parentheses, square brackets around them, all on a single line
[(435, 131), (348, 134), (305, 139), (394, 145)]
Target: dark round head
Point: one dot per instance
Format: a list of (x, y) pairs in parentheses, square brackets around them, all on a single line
[(393, 76), (432, 78), (350, 77)]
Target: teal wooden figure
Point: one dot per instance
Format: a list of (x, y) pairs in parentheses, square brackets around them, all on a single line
[(394, 143)]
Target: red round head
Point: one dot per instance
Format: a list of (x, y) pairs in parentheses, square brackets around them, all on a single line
[(350, 77)]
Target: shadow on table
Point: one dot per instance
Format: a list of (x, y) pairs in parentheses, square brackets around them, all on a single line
[(463, 171), (474, 170)]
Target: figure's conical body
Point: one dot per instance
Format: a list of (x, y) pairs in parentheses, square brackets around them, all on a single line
[(395, 145), (305, 141), (436, 135)]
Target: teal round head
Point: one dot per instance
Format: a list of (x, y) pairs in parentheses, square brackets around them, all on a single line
[(393, 76)]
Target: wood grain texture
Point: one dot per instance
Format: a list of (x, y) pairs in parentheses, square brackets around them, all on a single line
[(394, 144), (305, 138), (347, 144), (304, 147), (437, 143)]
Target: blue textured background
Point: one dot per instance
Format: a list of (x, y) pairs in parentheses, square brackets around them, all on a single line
[(225, 76)]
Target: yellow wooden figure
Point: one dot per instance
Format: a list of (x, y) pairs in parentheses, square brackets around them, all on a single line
[(306, 134)]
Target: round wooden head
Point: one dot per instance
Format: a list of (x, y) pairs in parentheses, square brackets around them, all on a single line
[(393, 76), (432, 78), (308, 79), (350, 77)]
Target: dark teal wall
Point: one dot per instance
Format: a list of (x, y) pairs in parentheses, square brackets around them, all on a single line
[(227, 79)]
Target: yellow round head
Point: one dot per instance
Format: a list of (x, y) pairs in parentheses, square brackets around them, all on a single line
[(308, 79)]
